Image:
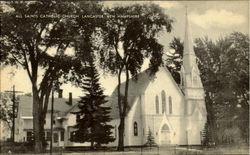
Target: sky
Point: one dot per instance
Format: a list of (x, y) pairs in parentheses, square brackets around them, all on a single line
[(214, 19)]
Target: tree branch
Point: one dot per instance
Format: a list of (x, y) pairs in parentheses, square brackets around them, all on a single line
[(17, 60), (26, 62)]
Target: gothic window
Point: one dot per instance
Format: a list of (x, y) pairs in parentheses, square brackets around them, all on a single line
[(194, 77), (135, 129), (195, 80), (157, 104), (163, 97), (170, 105)]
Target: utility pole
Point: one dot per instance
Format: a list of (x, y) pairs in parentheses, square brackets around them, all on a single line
[(14, 112), (51, 121), (14, 115)]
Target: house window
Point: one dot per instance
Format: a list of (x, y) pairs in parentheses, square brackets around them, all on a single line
[(157, 104), (48, 136), (135, 129), (163, 97), (170, 105), (43, 135), (72, 134), (115, 132), (29, 136), (55, 137), (62, 135), (77, 118)]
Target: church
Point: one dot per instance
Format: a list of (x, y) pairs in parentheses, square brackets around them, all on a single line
[(174, 114)]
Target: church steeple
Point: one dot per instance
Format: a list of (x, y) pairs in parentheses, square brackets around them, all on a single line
[(190, 71), (192, 85), (194, 99)]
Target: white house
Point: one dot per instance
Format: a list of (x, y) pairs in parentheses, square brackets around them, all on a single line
[(62, 121), (174, 114)]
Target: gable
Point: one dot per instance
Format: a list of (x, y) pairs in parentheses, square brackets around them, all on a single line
[(164, 82)]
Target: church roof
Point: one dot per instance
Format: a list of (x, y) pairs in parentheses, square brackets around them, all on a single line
[(136, 87), (60, 105)]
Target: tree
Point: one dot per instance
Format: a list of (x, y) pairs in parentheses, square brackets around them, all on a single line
[(150, 139), (126, 42), (6, 113), (224, 72), (174, 58), (30, 32), (93, 116)]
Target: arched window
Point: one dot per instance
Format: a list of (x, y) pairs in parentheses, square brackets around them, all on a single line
[(157, 104), (165, 128), (135, 129), (163, 97), (170, 105)]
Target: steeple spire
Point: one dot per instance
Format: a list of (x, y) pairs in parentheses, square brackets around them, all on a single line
[(189, 58)]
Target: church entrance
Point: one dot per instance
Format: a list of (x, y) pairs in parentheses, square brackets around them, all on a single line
[(165, 135)]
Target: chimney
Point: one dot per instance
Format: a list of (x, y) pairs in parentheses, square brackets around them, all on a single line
[(60, 93), (70, 98)]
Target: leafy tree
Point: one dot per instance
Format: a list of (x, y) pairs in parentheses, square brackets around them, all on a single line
[(93, 116), (29, 35), (126, 42), (174, 58), (6, 113), (225, 72)]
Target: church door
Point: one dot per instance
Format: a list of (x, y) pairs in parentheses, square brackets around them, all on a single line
[(165, 135)]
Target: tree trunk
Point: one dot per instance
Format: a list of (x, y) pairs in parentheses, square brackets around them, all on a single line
[(121, 126), (123, 115), (42, 133), (36, 121), (121, 134), (92, 145)]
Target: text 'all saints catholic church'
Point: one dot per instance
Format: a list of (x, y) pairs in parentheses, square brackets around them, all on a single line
[(174, 114)]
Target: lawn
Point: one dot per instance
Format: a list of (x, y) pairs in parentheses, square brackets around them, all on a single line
[(171, 150)]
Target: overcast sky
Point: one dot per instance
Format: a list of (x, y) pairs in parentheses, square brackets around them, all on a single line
[(213, 19)]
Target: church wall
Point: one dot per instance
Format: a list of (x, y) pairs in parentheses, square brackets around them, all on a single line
[(178, 126), (196, 124), (176, 119), (134, 115), (163, 82)]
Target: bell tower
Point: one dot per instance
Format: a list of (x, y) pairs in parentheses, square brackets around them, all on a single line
[(190, 74)]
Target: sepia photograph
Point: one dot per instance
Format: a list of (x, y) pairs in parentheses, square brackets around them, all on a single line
[(124, 77)]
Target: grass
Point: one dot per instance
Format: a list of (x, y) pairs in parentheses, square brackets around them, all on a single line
[(167, 150)]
